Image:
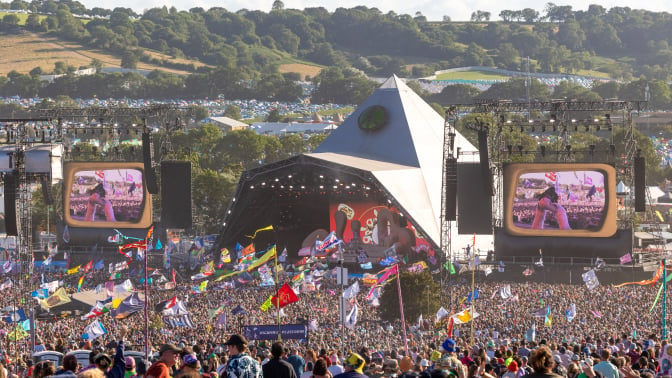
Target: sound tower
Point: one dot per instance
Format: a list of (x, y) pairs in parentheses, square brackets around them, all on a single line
[(10, 184), (485, 164), (150, 174), (451, 189), (640, 184), (176, 194)]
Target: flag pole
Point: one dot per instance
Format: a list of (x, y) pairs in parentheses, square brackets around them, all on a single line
[(401, 310), (277, 292), (664, 300), (473, 299), (146, 298)]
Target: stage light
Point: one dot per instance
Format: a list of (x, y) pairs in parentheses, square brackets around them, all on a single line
[(321, 176), (224, 224), (289, 176), (251, 186), (233, 199), (321, 186), (389, 201), (228, 211), (276, 180), (337, 180), (303, 187), (335, 187), (282, 187)]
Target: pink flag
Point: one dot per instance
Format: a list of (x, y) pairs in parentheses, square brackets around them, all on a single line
[(109, 288), (388, 273), (626, 258)]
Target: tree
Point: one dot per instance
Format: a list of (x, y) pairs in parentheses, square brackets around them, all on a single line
[(420, 293), (529, 15), (278, 5), (211, 195), (233, 111), (274, 116), (130, 60)]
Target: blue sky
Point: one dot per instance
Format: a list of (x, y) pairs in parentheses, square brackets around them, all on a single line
[(432, 9)]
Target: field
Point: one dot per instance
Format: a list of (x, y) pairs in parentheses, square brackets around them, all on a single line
[(23, 52), (470, 75), (300, 68)]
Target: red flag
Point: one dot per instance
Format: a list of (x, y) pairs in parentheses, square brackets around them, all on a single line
[(248, 250), (551, 176), (88, 266), (450, 328), (285, 295), (150, 232), (173, 275), (387, 273), (473, 243)]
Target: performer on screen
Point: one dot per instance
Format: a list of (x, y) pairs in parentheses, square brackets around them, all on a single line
[(548, 201), (97, 198)]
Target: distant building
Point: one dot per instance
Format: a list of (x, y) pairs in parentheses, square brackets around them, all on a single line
[(282, 128), (82, 72), (228, 124)]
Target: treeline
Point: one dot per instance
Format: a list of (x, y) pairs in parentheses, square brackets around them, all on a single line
[(559, 40)]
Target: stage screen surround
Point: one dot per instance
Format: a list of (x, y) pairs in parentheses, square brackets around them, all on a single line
[(106, 195), (560, 200)]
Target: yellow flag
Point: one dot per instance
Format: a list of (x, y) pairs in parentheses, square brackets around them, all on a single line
[(58, 298), (116, 302), (226, 256), (73, 270), (262, 260), (267, 228), (660, 216), (266, 305), (203, 286), (18, 334)]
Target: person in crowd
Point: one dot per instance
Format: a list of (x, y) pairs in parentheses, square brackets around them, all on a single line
[(276, 367), (69, 367), (130, 371), (168, 355), (353, 367), (240, 364), (296, 361), (542, 363)]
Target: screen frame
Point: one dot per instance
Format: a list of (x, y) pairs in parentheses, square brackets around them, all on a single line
[(71, 168), (511, 173)]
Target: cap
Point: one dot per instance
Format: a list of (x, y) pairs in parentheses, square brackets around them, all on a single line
[(491, 344), (424, 363), (102, 356), (129, 362), (189, 359), (355, 362), (513, 366), (237, 340), (167, 347), (576, 357), (448, 345)]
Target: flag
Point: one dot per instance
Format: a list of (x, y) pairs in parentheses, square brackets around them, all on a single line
[(472, 295), (16, 316), (115, 276), (99, 265), (267, 304), (88, 266), (7, 267), (451, 322), (540, 263), (225, 256), (79, 284), (164, 305), (94, 330), (366, 266), (109, 288), (351, 291), (58, 298), (221, 321), (505, 292), (351, 318), (203, 286), (417, 267), (464, 316), (329, 241), (150, 233), (488, 271), (39, 293), (542, 312), (531, 333), (387, 261), (267, 228), (387, 273), (590, 279), (596, 313), (284, 296), (51, 286), (626, 258), (442, 313), (551, 176), (298, 277), (18, 334), (600, 264), (73, 270), (501, 267), (8, 284), (129, 306), (97, 310), (653, 280), (528, 272), (263, 259), (450, 267), (548, 319), (570, 313), (249, 250), (660, 216)]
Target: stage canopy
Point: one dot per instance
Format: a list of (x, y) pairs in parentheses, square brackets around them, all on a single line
[(388, 152)]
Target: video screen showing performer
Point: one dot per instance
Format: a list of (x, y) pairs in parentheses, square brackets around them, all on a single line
[(109, 195), (567, 200)]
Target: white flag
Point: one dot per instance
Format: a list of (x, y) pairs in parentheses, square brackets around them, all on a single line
[(488, 270), (94, 330), (124, 287), (6, 285), (590, 279), (442, 313), (351, 319), (464, 316), (351, 291), (505, 292)]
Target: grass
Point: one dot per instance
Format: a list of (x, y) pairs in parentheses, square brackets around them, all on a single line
[(471, 75), (23, 52)]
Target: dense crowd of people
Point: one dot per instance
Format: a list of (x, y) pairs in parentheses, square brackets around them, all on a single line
[(610, 319)]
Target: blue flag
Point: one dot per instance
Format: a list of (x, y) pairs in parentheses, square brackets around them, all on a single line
[(99, 265), (16, 317), (473, 295), (389, 260), (40, 293), (158, 244), (368, 265)]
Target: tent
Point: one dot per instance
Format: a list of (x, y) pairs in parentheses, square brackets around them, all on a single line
[(388, 151)]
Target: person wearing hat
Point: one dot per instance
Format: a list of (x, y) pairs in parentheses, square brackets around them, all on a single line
[(168, 355), (276, 367), (240, 364), (353, 366), (511, 370), (130, 368), (391, 368), (103, 361), (191, 366)]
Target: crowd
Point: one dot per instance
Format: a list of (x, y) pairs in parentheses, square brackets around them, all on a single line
[(607, 318)]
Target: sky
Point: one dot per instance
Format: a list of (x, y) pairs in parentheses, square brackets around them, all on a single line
[(432, 9)]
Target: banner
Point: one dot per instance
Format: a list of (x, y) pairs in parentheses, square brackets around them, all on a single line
[(270, 332)]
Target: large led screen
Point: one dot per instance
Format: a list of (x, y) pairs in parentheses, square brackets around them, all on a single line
[(573, 200), (106, 195)]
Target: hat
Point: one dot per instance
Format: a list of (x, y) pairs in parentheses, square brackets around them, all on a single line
[(490, 344), (557, 359), (576, 357), (391, 364), (237, 340), (406, 363), (513, 366), (588, 361), (448, 345), (101, 356), (129, 362), (355, 362), (189, 359), (436, 355), (424, 363), (167, 347)]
